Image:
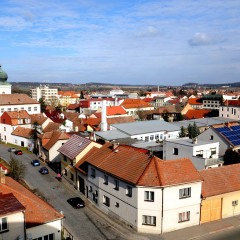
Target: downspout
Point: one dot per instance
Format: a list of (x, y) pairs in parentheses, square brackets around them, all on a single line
[(25, 230), (162, 213)]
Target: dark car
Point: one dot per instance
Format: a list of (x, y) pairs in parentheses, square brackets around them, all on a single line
[(35, 162), (76, 202), (12, 149), (43, 170), (18, 152)]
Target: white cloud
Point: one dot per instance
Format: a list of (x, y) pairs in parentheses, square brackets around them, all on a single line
[(201, 39)]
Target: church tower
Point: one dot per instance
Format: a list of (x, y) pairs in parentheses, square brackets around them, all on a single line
[(5, 87)]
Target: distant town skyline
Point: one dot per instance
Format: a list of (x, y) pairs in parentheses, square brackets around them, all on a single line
[(162, 42)]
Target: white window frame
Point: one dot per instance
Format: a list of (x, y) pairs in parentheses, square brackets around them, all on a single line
[(149, 220), (149, 196), (184, 193), (184, 216)]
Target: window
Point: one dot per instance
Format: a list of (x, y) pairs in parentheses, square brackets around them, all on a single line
[(105, 181), (184, 193), (149, 220), (116, 184), (35, 109), (2, 110), (93, 173), (72, 177), (183, 217), (213, 151), (65, 172), (129, 191), (15, 109), (46, 237), (65, 158), (175, 151), (4, 129), (149, 196), (106, 200), (9, 109), (3, 224), (29, 109), (146, 139), (151, 137), (211, 137), (116, 204), (234, 203)]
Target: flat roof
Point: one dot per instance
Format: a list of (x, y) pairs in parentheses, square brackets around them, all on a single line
[(111, 135), (141, 127), (189, 142)]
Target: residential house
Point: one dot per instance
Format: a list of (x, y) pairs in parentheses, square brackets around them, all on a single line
[(72, 151), (50, 143), (203, 154), (41, 120), (9, 121), (68, 97), (212, 101), (196, 113), (23, 137), (133, 106), (16, 102), (220, 193), (28, 217), (148, 194), (193, 103), (12, 216), (230, 109), (226, 134)]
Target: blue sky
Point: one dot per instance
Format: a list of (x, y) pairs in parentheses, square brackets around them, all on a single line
[(162, 42)]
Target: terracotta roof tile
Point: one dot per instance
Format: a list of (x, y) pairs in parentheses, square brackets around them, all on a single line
[(220, 180), (56, 136), (38, 118), (51, 127), (9, 204), (195, 101), (196, 113), (232, 102), (16, 99), (18, 114), (138, 168), (135, 103), (38, 212), (23, 132), (115, 110)]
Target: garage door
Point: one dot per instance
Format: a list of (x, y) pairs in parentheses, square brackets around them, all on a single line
[(211, 210)]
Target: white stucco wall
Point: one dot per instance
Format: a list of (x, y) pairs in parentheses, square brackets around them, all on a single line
[(15, 226), (46, 229)]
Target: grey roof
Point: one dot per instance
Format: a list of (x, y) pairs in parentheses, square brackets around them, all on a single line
[(74, 146), (202, 122), (142, 127), (111, 135), (188, 142)]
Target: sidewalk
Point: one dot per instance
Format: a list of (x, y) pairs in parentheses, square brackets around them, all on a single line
[(190, 233)]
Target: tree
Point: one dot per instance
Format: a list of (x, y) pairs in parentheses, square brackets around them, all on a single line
[(34, 136), (193, 131), (141, 115), (16, 169), (165, 116), (81, 95), (231, 157), (182, 132), (42, 104)]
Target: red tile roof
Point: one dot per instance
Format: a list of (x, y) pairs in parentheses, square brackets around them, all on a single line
[(51, 127), (232, 102), (195, 101), (135, 103), (9, 204), (196, 113), (138, 168), (38, 118), (220, 180), (16, 99), (38, 212), (115, 110), (18, 114), (23, 132), (55, 136)]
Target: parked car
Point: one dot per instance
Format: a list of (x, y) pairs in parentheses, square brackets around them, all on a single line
[(43, 170), (12, 149), (35, 162), (18, 152), (76, 202)]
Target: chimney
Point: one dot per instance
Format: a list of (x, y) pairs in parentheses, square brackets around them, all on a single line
[(76, 128), (104, 116), (115, 146), (2, 176)]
